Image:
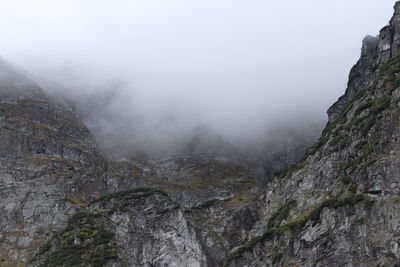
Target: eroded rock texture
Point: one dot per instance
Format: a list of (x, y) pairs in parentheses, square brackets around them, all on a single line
[(340, 207), (64, 204)]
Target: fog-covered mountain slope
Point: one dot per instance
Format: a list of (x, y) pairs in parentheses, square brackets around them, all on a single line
[(340, 207), (68, 201), (65, 204)]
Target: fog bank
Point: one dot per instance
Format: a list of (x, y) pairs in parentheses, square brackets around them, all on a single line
[(153, 70)]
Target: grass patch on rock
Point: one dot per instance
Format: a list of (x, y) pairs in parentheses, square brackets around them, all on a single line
[(344, 199), (132, 193), (85, 241)]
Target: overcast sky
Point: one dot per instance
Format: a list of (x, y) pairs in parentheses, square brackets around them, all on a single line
[(234, 64)]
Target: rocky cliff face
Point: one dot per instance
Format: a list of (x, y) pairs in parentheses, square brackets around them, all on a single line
[(46, 157), (340, 207), (64, 204)]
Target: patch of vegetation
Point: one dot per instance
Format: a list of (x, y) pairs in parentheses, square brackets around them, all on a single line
[(388, 72), (361, 144), (345, 179), (269, 234), (346, 110), (281, 214), (84, 242), (43, 249), (368, 123), (380, 104), (365, 149), (9, 262), (82, 217), (242, 249), (364, 106), (344, 199), (341, 140), (276, 256), (239, 199), (361, 221), (132, 193), (369, 203), (76, 201), (355, 123), (391, 255), (207, 204), (335, 140), (365, 123), (164, 211), (352, 187)]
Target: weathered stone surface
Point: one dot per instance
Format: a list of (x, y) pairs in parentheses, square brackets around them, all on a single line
[(46, 157), (346, 192), (64, 204), (51, 175)]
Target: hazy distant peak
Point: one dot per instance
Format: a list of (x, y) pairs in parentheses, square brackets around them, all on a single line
[(11, 75), (14, 85), (205, 144)]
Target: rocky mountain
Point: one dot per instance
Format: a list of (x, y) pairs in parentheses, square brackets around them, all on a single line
[(46, 156), (340, 206), (64, 203)]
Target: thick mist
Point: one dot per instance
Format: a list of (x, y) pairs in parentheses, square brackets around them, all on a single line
[(147, 73)]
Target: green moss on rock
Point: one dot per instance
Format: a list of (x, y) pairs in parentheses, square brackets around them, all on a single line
[(344, 199), (84, 242), (133, 193), (281, 214)]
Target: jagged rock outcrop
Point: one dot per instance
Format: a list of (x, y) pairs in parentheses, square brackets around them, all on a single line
[(360, 74), (375, 50)]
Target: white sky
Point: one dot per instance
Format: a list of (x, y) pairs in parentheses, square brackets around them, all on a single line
[(235, 64)]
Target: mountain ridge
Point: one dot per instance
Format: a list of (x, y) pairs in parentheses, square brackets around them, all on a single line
[(340, 206), (65, 204)]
